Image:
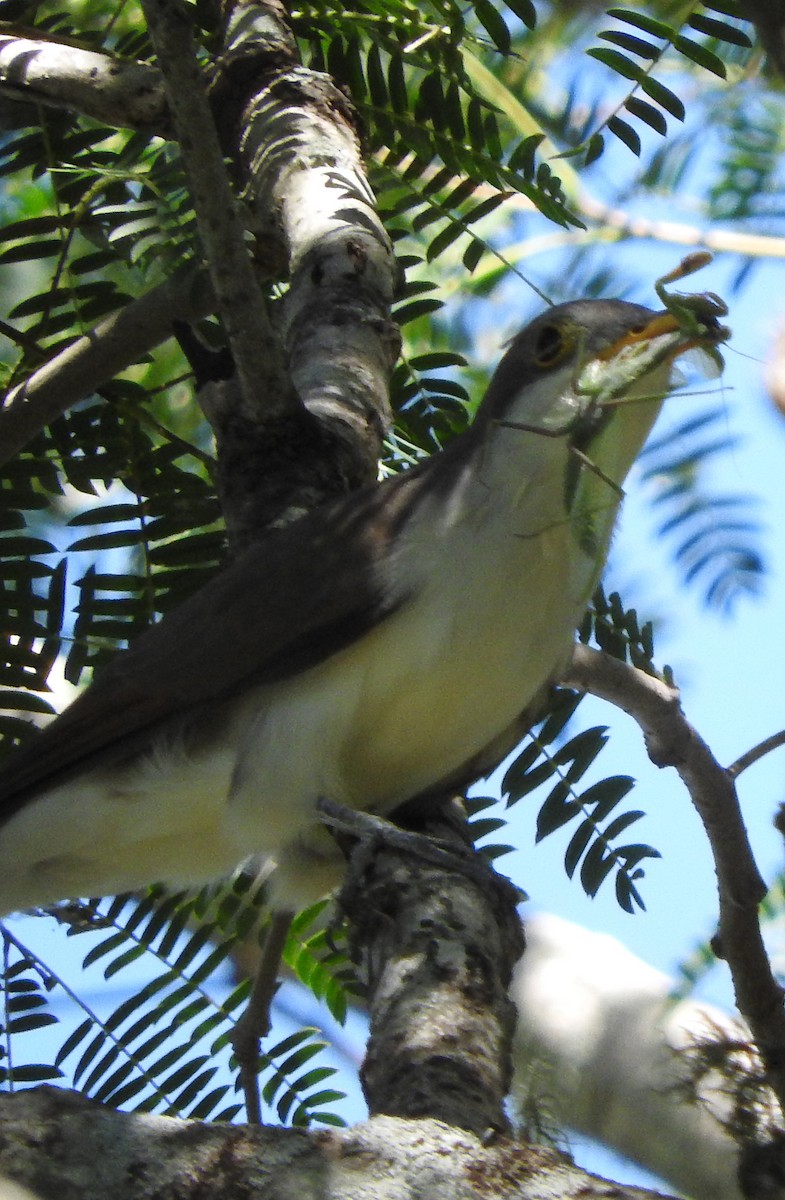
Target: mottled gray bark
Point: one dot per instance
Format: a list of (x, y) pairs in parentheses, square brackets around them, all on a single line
[(58, 1146)]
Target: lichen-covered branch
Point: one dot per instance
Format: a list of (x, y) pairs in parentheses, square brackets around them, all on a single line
[(290, 136), (436, 935), (58, 1145), (299, 148)]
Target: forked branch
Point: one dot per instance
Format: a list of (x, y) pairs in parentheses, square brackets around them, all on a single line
[(671, 741)]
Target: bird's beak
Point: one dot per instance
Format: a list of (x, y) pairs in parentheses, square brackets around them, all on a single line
[(662, 323), (705, 334)]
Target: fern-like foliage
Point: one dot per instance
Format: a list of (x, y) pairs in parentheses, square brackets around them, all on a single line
[(165, 1047), (714, 536), (636, 49), (552, 763)]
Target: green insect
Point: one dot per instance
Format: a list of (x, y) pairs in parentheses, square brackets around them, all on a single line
[(697, 313)]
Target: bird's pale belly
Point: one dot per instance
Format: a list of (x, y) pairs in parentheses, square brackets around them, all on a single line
[(376, 724), (383, 727)]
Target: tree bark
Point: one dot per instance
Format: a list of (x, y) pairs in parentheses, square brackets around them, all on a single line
[(59, 1146)]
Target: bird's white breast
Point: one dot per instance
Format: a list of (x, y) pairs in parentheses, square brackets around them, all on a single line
[(496, 591)]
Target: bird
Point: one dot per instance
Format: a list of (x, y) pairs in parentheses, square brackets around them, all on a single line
[(377, 649)]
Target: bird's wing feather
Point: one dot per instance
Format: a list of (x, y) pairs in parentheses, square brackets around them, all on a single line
[(294, 599)]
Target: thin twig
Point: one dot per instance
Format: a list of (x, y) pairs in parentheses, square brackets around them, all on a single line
[(114, 344), (672, 741), (254, 1024), (755, 753), (255, 348)]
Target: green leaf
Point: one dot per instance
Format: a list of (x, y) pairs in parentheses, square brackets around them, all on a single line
[(28, 251), (35, 1073), (617, 62), (700, 55), (396, 83), (445, 238), (594, 148), (192, 1089), (557, 810), (596, 867), (519, 784), (642, 21), (577, 846), (625, 133), (107, 514), (606, 794), (430, 101), (376, 79), (489, 205), (455, 115), (29, 227), (112, 540), (415, 310), (25, 1024), (494, 24), (720, 30), (73, 1040), (25, 546), (206, 1106), (473, 254), (435, 359), (523, 155), (620, 823), (524, 10), (635, 45)]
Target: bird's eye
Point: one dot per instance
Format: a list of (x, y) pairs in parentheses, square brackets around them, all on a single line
[(550, 347)]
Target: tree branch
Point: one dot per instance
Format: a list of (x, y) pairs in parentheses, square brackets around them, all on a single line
[(301, 154), (58, 1144), (594, 1020), (241, 304), (437, 934), (672, 741), (755, 753), (116, 342), (291, 135), (111, 90)]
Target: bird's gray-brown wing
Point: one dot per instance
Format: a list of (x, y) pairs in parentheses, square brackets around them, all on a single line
[(298, 596)]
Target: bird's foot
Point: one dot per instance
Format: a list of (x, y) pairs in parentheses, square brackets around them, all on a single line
[(361, 835)]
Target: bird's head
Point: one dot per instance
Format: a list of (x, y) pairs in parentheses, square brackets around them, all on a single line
[(583, 383), (565, 372), (593, 374)]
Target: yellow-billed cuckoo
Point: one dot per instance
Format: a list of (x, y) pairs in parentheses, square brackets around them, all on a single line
[(378, 648)]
